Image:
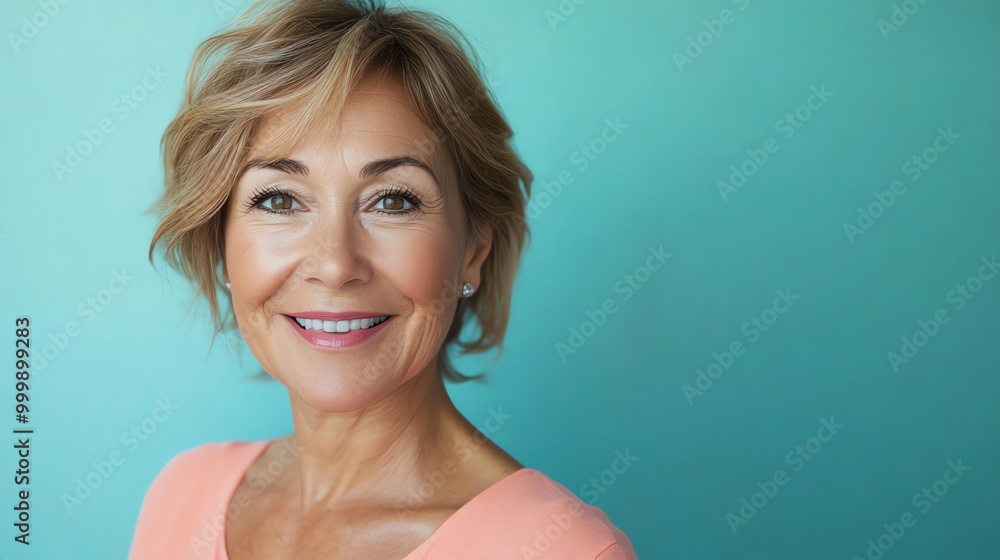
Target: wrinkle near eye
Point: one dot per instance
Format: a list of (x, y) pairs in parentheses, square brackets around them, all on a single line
[(415, 230), (432, 204)]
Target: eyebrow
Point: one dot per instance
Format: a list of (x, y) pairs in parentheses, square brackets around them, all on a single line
[(372, 168)]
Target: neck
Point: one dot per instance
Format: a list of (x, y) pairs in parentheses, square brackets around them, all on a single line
[(371, 453)]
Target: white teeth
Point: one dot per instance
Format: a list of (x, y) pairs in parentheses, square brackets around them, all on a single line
[(340, 326)]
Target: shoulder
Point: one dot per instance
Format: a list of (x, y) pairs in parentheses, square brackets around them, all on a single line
[(567, 526), (203, 466), (191, 490), (541, 519), (212, 456)]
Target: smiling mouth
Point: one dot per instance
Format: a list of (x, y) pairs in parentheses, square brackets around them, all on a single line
[(341, 326)]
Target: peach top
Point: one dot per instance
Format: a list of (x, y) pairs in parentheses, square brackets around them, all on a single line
[(524, 515)]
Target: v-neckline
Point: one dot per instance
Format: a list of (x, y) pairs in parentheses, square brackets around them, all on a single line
[(414, 554)]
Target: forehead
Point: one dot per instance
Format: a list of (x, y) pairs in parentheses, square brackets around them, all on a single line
[(377, 117)]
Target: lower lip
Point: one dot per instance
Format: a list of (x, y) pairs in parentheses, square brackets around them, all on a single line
[(323, 339)]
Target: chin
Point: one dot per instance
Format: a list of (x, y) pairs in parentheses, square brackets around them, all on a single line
[(339, 388)]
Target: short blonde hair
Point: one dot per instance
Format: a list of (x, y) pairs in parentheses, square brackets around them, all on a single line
[(312, 53)]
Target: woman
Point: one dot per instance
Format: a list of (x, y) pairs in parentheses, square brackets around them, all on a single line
[(341, 172)]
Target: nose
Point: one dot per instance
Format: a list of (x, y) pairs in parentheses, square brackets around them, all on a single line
[(336, 254)]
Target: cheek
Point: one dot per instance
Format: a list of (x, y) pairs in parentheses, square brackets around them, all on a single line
[(425, 274), (422, 265), (258, 264)]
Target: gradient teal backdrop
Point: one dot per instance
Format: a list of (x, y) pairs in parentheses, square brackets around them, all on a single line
[(757, 266)]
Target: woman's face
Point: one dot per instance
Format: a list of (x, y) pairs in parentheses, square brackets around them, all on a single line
[(349, 228)]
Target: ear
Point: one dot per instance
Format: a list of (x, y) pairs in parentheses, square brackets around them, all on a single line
[(476, 250)]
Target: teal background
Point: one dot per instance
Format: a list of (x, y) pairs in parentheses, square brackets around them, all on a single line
[(655, 185)]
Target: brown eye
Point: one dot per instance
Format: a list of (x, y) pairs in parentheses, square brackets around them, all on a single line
[(396, 200), (273, 200), (393, 203), (281, 203)]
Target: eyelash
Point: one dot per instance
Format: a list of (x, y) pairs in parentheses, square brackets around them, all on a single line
[(263, 194), (400, 192)]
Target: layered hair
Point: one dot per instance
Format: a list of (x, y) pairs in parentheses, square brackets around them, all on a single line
[(310, 54)]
